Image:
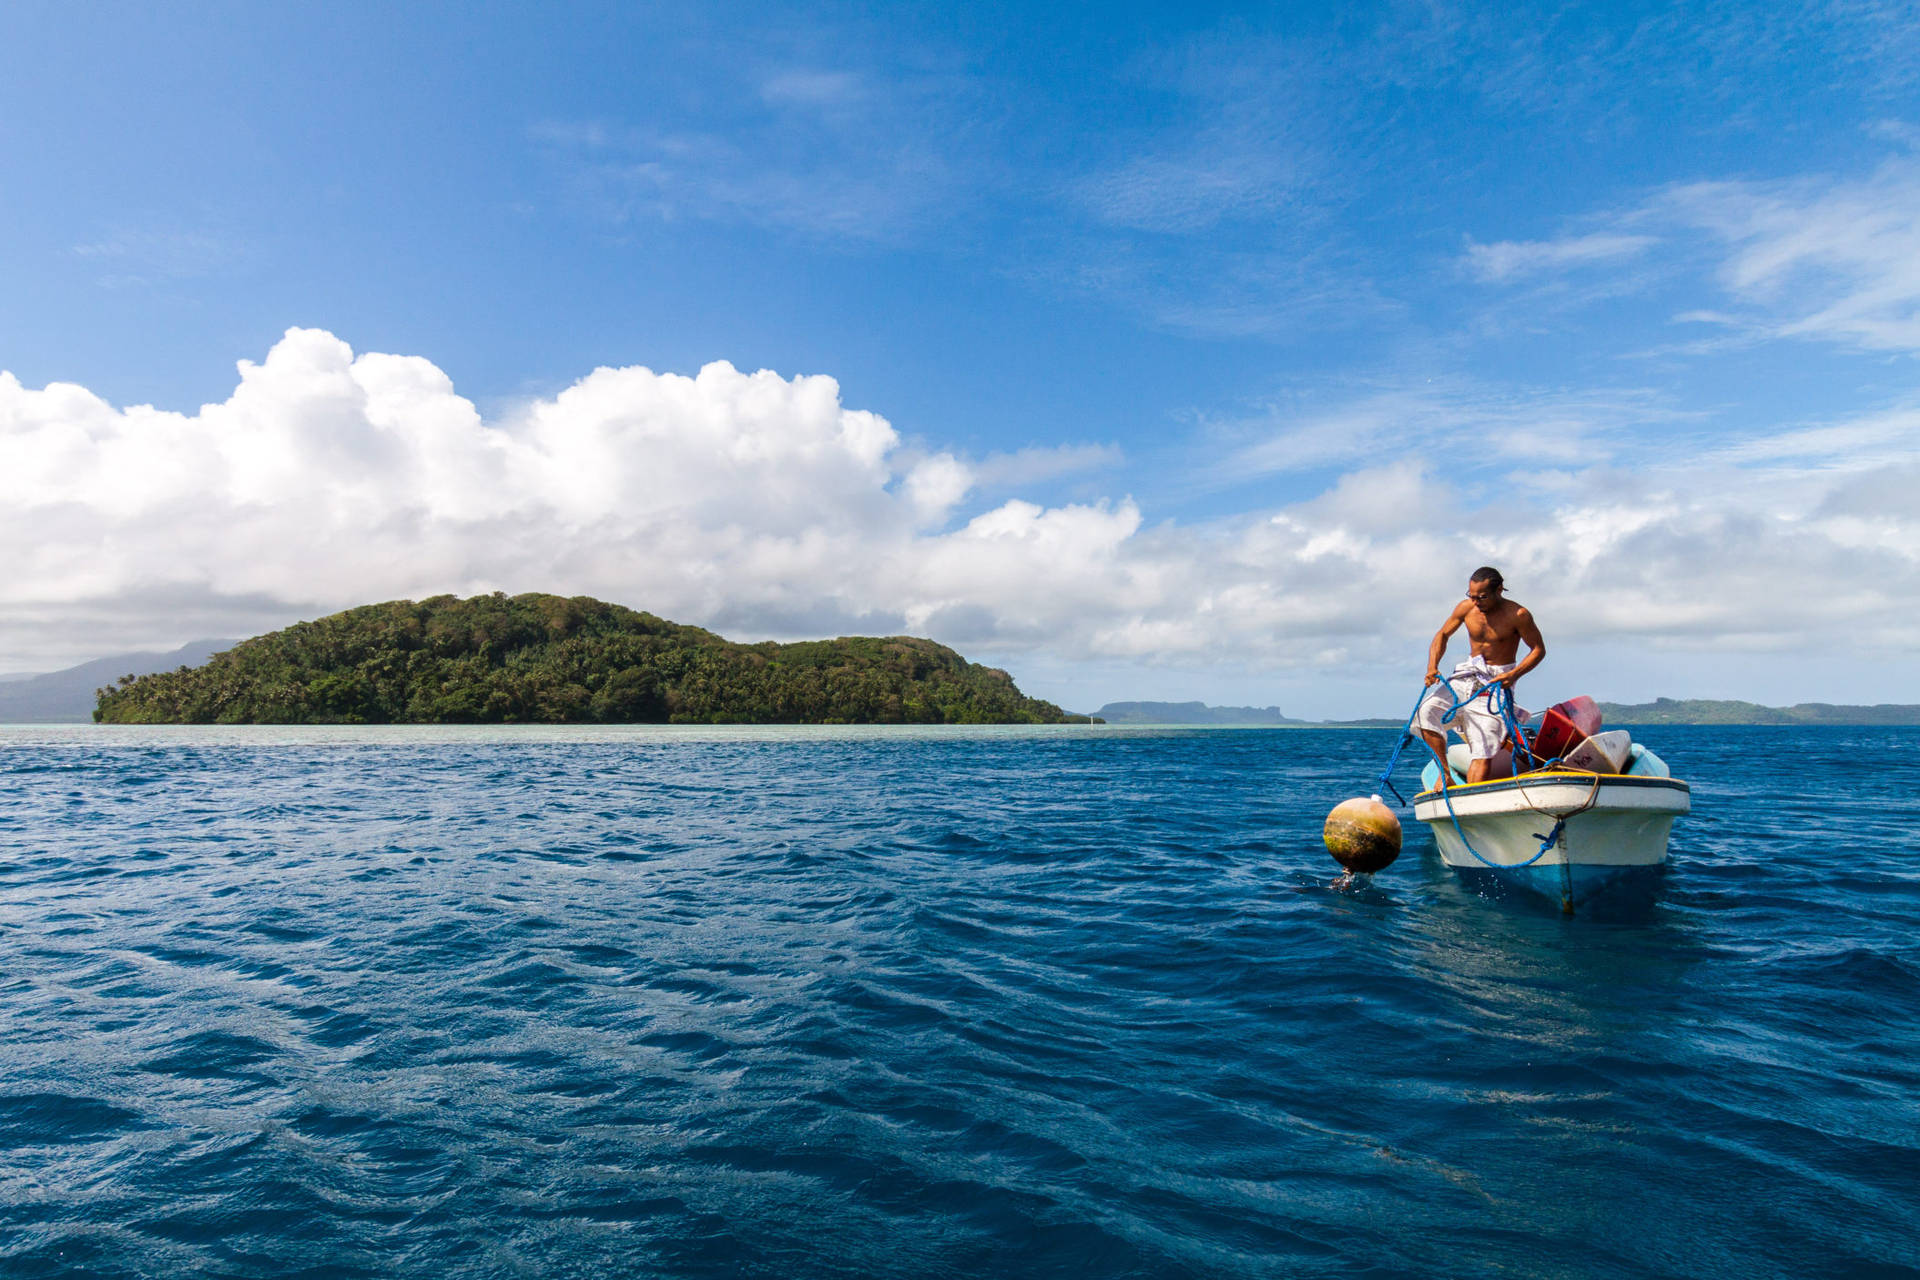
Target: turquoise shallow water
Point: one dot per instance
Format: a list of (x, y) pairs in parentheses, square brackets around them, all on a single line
[(950, 1003)]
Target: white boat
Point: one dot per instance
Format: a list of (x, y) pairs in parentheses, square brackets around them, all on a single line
[(1569, 835)]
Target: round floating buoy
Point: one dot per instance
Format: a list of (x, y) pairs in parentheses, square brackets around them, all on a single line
[(1363, 835)]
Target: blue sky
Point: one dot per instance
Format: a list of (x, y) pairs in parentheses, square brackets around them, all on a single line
[(1212, 344)]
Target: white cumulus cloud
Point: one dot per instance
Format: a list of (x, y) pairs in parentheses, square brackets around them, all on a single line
[(763, 506)]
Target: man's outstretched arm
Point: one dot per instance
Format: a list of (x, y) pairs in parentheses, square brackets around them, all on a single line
[(1438, 649)]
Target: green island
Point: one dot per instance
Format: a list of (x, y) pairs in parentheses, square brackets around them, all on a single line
[(546, 659)]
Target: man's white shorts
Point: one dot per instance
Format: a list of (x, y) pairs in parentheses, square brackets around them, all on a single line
[(1477, 721)]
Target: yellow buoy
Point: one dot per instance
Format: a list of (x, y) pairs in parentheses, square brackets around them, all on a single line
[(1362, 834)]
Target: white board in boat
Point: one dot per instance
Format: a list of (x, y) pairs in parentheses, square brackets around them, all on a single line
[(1607, 752)]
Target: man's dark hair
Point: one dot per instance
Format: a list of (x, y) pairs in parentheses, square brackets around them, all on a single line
[(1487, 573)]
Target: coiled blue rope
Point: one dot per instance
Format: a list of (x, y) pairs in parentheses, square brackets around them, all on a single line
[(1499, 696)]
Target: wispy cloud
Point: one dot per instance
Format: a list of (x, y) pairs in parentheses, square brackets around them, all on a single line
[(1816, 257), (1215, 213), (1465, 430), (829, 154), (627, 175), (1040, 463), (1881, 37), (1508, 260), (1192, 191), (810, 87), (1286, 287), (1870, 441), (135, 256), (1248, 136)]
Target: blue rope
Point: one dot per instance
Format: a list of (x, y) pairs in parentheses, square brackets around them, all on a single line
[(1499, 696), (1446, 795), (1406, 736)]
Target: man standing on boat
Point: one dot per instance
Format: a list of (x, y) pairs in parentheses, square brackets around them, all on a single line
[(1495, 627)]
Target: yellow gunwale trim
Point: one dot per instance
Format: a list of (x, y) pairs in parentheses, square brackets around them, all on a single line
[(1550, 776)]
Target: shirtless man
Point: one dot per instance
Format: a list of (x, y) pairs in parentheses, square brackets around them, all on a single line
[(1496, 626)]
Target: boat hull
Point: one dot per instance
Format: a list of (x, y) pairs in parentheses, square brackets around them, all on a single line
[(1610, 830)]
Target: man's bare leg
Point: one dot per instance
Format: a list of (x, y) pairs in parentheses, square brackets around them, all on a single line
[(1477, 770), (1437, 743)]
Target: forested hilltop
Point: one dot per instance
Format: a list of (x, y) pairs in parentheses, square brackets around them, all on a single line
[(556, 660)]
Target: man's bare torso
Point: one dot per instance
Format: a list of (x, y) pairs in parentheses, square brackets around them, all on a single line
[(1495, 632), (1496, 628)]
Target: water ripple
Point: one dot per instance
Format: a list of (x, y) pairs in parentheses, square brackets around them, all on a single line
[(953, 1003)]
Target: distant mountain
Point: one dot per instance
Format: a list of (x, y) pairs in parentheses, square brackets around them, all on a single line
[(1713, 711), (64, 697), (1189, 713)]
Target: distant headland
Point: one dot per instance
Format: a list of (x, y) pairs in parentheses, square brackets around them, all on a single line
[(1189, 713), (1659, 711), (546, 659), (1716, 711)]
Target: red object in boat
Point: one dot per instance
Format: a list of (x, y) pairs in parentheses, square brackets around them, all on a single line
[(1565, 726)]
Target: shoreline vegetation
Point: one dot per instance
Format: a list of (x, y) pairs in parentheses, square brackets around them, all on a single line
[(546, 659)]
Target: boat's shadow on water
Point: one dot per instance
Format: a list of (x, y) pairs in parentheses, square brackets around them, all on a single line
[(1479, 926), (1637, 896), (1634, 897)]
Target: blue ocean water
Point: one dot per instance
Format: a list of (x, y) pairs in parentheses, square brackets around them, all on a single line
[(784, 1002)]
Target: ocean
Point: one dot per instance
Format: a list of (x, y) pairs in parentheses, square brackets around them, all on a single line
[(950, 1002)]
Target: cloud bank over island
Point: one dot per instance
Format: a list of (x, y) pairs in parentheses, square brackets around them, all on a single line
[(764, 507)]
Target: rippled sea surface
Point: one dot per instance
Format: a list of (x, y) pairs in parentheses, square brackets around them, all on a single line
[(1080, 1002)]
